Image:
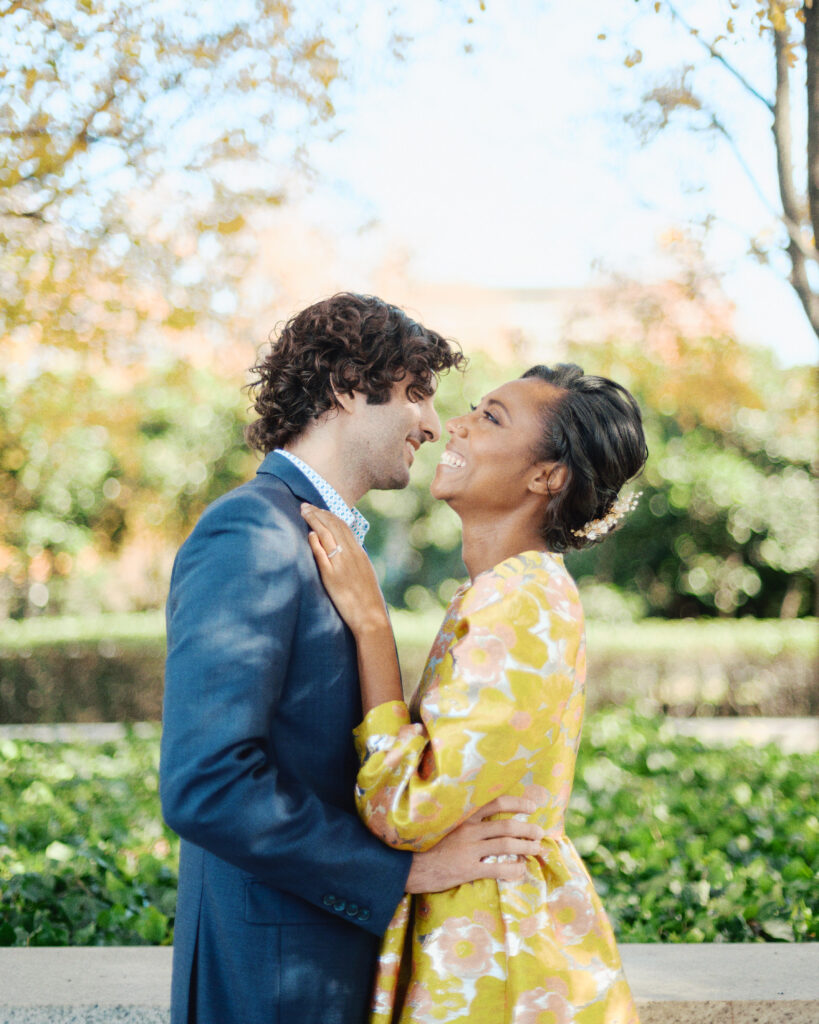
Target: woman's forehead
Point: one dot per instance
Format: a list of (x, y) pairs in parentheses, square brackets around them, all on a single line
[(523, 391)]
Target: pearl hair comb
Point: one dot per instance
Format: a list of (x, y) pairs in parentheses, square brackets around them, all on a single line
[(596, 528)]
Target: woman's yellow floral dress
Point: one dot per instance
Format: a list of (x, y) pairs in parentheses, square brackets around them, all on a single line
[(498, 710)]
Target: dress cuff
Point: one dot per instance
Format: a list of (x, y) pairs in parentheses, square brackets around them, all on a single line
[(380, 727)]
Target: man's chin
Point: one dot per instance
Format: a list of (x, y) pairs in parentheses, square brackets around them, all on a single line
[(395, 481)]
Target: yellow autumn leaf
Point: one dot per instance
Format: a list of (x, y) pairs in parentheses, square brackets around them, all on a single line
[(230, 227), (180, 319), (633, 58), (778, 19)]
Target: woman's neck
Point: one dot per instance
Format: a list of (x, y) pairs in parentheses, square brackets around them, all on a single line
[(487, 543)]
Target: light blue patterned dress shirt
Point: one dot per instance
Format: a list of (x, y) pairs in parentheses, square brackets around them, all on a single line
[(332, 499)]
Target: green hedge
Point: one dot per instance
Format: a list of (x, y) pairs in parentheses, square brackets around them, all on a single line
[(685, 843), (71, 669), (682, 667), (110, 668)]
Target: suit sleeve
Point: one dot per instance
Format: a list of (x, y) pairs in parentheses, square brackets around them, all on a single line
[(231, 614), (498, 699)]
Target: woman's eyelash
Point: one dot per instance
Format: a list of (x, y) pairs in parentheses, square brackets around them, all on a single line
[(486, 413)]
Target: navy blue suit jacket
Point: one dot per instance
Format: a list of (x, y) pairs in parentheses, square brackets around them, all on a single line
[(283, 893)]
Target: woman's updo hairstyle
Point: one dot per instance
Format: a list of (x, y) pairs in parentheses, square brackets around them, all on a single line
[(594, 428)]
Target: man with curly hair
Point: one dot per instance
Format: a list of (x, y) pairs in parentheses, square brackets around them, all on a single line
[(283, 894)]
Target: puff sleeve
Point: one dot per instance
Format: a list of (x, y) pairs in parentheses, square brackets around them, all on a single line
[(497, 699)]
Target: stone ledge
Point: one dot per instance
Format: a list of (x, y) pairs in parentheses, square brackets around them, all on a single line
[(716, 983), (724, 983), (791, 735)]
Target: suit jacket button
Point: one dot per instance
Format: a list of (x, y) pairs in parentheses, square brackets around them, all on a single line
[(352, 909), (329, 900), (339, 905), (364, 915)]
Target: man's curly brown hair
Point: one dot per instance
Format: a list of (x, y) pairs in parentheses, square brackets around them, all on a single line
[(340, 345)]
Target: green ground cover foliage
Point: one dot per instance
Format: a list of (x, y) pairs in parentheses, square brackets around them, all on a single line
[(84, 856), (685, 843), (693, 844)]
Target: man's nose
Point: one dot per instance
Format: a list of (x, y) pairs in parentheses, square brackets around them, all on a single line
[(430, 424)]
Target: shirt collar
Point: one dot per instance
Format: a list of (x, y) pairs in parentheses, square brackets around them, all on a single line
[(332, 499)]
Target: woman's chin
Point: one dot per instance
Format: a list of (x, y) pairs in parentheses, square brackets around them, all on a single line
[(445, 488), (442, 493), (440, 489)]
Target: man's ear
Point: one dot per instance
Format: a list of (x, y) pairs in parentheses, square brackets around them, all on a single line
[(345, 400), (550, 478)]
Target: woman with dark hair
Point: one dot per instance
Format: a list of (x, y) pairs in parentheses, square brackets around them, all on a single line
[(535, 469)]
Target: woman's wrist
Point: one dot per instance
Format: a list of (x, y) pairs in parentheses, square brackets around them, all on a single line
[(372, 625), (378, 673)]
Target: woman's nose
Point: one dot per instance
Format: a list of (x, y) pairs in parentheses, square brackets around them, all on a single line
[(457, 425)]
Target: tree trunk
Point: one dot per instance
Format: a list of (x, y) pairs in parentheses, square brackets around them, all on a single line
[(787, 188), (811, 12)]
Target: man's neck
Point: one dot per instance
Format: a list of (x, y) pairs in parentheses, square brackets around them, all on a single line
[(322, 455)]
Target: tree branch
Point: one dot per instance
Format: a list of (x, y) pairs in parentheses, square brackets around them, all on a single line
[(14, 6), (794, 229), (787, 189), (743, 81)]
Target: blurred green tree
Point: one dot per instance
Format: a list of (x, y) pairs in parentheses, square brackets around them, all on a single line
[(101, 478), (728, 523)]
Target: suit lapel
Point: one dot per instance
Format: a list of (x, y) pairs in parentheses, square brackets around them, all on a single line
[(292, 476)]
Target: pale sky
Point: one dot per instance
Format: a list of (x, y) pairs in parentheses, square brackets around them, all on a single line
[(512, 165)]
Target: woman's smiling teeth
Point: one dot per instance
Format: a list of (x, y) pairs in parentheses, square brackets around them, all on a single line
[(451, 459)]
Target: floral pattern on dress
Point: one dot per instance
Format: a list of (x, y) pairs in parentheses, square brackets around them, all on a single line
[(498, 710)]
